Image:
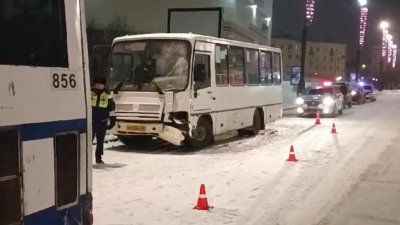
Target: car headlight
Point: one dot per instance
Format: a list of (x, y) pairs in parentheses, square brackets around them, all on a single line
[(299, 101), (328, 101), (353, 93)]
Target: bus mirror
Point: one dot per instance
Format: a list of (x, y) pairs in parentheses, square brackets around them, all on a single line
[(200, 73)]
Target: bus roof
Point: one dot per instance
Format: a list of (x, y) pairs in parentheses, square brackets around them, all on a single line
[(193, 37)]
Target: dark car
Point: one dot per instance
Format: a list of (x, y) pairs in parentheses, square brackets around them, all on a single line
[(358, 93), (346, 91), (371, 93)]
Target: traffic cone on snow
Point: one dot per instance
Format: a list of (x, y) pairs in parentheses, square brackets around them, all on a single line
[(333, 129), (317, 120), (292, 156), (202, 203)]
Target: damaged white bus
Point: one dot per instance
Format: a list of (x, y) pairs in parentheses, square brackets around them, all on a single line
[(186, 88)]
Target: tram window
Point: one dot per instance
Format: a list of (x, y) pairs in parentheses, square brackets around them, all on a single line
[(67, 168), (33, 33)]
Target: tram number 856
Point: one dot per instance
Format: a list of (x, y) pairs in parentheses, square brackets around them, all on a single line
[(64, 81)]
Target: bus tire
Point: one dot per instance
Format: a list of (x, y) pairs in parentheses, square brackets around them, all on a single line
[(255, 128), (256, 123), (203, 135)]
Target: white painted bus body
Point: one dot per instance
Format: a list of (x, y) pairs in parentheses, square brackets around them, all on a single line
[(39, 111), (229, 107)]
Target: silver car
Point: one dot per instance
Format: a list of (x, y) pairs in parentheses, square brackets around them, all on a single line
[(327, 100)]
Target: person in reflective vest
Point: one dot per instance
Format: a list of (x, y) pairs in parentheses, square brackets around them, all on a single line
[(103, 114)]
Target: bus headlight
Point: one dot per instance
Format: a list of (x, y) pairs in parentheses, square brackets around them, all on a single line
[(328, 101), (299, 101)]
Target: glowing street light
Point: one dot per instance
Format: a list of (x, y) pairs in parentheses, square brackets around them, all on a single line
[(254, 8), (363, 2), (384, 25)]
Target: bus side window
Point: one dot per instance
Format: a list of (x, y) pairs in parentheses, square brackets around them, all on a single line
[(276, 65), (252, 70), (236, 66), (205, 60), (221, 65), (10, 184), (66, 149), (265, 68)]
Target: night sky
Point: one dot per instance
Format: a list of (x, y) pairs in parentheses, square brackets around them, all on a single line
[(337, 21)]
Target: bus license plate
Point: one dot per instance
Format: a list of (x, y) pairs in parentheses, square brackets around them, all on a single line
[(136, 128)]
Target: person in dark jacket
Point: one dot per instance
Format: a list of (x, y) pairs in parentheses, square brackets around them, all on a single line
[(103, 115)]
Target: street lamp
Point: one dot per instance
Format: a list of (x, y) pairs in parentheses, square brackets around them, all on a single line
[(363, 28), (310, 11)]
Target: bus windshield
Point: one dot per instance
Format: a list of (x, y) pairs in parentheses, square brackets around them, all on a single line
[(149, 65)]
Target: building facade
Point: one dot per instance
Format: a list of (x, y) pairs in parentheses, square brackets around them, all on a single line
[(323, 60), (244, 20)]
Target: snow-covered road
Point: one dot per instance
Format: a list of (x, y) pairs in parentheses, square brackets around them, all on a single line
[(346, 178)]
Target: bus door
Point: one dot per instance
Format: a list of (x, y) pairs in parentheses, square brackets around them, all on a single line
[(202, 95)]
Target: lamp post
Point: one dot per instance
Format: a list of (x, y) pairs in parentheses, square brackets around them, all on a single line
[(384, 26), (363, 27), (310, 8)]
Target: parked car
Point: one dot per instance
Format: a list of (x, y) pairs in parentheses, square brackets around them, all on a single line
[(371, 93), (346, 91), (327, 99), (358, 93)]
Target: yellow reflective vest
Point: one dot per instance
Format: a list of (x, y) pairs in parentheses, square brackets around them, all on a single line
[(102, 102)]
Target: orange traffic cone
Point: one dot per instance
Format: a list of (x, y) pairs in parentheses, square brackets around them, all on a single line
[(333, 129), (317, 120), (202, 203), (292, 156)]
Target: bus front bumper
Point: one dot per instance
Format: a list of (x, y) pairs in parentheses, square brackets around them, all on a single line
[(163, 131)]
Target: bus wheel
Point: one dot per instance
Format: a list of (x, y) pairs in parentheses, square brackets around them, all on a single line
[(135, 140), (255, 129), (203, 135), (256, 123)]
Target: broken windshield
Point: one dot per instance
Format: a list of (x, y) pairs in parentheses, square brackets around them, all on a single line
[(134, 65)]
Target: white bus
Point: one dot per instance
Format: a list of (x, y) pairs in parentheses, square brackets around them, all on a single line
[(45, 135), (186, 88)]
